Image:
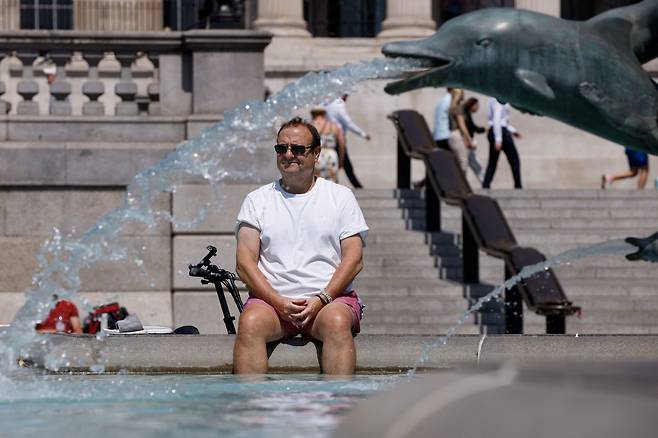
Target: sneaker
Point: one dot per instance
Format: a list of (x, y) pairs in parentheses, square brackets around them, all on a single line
[(606, 180)]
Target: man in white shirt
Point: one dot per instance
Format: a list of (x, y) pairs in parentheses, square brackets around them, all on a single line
[(300, 246), (337, 112), (500, 137), (441, 131)]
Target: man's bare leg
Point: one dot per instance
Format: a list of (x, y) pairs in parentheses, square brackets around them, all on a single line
[(258, 326), (333, 326)]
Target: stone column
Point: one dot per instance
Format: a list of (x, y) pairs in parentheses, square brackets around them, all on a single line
[(549, 7), (282, 18), (115, 16), (10, 18), (405, 18)]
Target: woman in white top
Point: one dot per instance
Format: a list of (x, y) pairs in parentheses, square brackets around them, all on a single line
[(332, 151)]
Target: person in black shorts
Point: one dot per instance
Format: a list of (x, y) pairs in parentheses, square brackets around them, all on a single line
[(638, 164)]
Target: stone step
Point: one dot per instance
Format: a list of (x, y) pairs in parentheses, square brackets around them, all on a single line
[(403, 237), (383, 261), (586, 272), (415, 317), (392, 224), (639, 317), (521, 216), (392, 203), (551, 249), (621, 288), (588, 231), (381, 249), (386, 194), (596, 303), (644, 204), (531, 194), (592, 224), (416, 329), (594, 329), (393, 213), (568, 194), (399, 272), (537, 218), (417, 306), (597, 261), (579, 213), (415, 287), (420, 261), (575, 238)]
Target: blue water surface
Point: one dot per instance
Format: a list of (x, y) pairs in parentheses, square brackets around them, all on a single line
[(182, 405)]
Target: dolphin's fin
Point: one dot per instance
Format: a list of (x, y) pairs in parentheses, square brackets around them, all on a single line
[(630, 27), (535, 82), (614, 29)]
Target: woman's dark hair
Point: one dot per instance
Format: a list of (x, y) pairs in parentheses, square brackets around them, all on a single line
[(298, 121), (469, 104)]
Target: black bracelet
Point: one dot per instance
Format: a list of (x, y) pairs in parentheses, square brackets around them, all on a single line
[(325, 297)]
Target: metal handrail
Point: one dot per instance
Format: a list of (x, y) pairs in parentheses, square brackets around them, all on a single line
[(459, 193)]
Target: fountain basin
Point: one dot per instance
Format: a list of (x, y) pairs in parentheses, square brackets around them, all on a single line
[(586, 399), (375, 353)]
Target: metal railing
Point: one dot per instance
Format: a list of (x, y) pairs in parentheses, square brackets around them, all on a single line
[(484, 227)]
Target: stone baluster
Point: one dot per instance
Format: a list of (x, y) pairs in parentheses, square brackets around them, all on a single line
[(408, 19), (126, 88), (60, 90), (282, 18), (153, 89), (4, 105), (549, 7), (93, 88), (27, 87)]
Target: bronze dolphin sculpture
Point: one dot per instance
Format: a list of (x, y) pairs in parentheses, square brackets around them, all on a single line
[(587, 74)]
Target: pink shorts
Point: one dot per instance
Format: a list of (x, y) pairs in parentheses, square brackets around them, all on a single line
[(351, 300)]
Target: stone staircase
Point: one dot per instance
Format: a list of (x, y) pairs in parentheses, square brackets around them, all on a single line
[(401, 282), (412, 280)]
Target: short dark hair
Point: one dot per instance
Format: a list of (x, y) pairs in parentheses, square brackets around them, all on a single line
[(298, 121)]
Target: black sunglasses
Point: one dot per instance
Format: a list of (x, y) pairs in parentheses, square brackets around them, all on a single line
[(297, 149)]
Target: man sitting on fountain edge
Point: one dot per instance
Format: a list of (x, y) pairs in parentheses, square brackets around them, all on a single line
[(300, 244)]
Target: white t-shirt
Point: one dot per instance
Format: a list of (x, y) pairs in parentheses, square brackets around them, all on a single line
[(300, 234)]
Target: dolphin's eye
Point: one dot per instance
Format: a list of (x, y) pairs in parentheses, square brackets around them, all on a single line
[(484, 42)]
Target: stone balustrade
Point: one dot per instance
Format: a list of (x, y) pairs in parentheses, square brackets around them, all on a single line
[(121, 74)]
